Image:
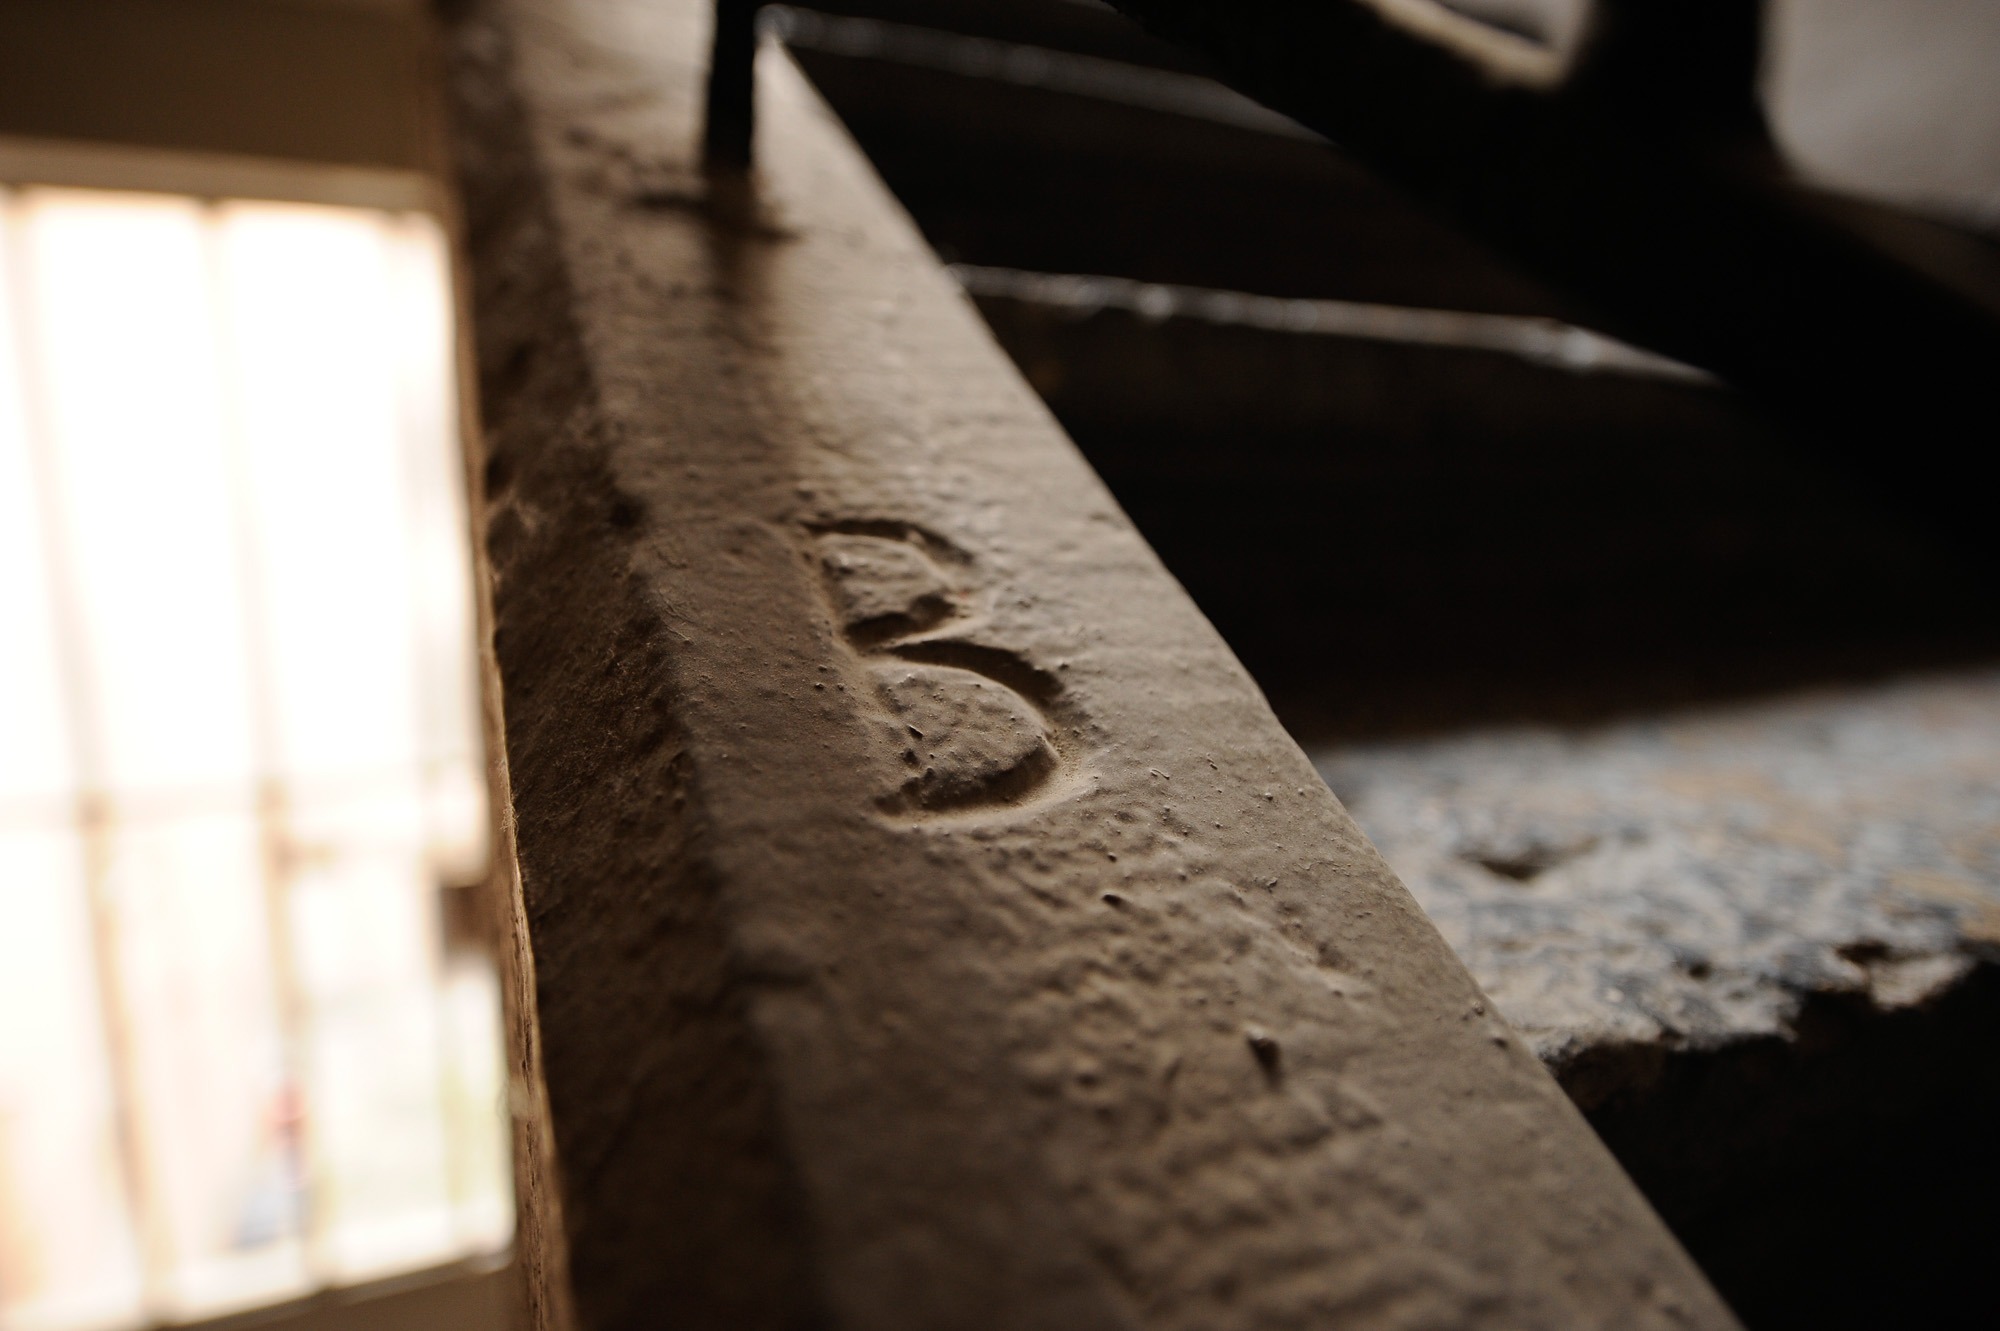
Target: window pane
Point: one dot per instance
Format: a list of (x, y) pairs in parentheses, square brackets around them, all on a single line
[(239, 755)]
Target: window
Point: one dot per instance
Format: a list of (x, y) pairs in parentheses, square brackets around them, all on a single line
[(243, 1056)]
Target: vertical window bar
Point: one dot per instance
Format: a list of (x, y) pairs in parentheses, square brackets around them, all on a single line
[(291, 1125)]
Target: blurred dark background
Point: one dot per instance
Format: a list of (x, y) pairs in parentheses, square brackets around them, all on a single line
[(1416, 527), (1395, 536)]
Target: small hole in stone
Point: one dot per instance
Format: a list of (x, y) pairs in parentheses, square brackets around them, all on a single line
[(1522, 869), (1530, 863), (1265, 1050), (1864, 952)]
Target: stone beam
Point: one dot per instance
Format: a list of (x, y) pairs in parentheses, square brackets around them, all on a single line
[(932, 925)]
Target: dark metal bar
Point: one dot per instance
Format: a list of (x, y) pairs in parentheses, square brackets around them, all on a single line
[(730, 122)]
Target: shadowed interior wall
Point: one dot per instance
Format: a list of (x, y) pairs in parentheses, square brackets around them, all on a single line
[(322, 82)]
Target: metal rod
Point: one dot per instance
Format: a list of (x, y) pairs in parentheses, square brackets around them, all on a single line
[(732, 106)]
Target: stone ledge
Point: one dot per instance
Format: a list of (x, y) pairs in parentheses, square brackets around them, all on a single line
[(932, 925)]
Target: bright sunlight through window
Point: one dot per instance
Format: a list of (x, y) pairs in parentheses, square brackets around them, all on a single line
[(239, 757)]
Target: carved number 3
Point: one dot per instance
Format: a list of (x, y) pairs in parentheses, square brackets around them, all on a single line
[(955, 709)]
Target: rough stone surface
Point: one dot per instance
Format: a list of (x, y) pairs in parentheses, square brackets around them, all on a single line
[(1757, 944), (1692, 881), (1086, 1006)]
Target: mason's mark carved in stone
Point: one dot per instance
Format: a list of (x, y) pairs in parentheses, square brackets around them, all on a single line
[(977, 726)]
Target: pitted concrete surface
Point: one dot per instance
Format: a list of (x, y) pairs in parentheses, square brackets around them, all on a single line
[(1692, 881)]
